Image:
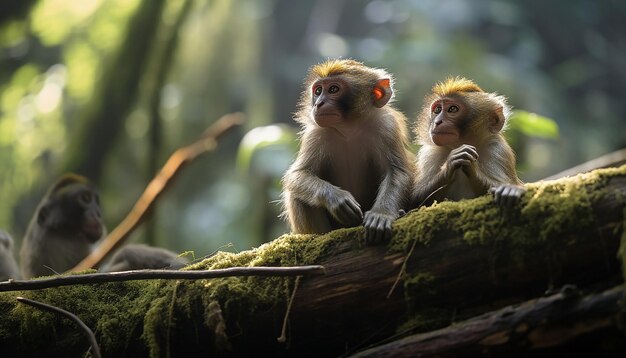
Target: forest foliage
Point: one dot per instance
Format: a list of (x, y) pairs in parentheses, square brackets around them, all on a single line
[(111, 88)]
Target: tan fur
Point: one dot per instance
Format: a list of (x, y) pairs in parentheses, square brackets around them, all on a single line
[(363, 158), (496, 161)]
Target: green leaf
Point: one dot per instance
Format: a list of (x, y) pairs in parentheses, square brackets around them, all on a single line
[(263, 137), (534, 125)]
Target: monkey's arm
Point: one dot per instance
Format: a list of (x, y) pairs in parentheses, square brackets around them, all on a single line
[(392, 194), (499, 173), (437, 167), (314, 191), (302, 182)]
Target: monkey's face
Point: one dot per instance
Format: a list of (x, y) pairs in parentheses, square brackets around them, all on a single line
[(73, 210), (330, 101), (446, 121)]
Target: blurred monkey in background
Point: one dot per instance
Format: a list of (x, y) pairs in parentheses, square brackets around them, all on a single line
[(8, 266), (66, 226), (139, 256)]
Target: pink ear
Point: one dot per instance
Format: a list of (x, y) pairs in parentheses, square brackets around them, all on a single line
[(498, 121), (382, 92)]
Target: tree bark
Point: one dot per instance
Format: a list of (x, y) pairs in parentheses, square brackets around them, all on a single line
[(534, 326)]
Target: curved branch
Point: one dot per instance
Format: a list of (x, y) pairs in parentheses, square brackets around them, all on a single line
[(95, 349)]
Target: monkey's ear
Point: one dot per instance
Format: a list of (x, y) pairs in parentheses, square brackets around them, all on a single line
[(497, 122), (382, 92), (42, 216)]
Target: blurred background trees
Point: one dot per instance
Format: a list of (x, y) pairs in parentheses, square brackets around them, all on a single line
[(110, 88)]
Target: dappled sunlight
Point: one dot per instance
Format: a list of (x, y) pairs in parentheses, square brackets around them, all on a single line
[(70, 88)]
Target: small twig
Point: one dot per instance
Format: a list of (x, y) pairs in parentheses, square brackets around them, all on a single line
[(147, 200), (170, 317), (37, 284), (431, 195), (402, 269), (283, 333), (95, 349), (406, 259)]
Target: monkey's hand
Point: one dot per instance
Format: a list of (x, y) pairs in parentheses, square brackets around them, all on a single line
[(378, 226), (507, 195), (464, 158), (344, 208)]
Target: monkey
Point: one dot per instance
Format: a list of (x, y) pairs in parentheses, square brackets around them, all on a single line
[(8, 266), (140, 256), (353, 166), (463, 152), (64, 229)]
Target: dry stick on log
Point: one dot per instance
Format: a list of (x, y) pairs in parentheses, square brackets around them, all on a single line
[(536, 324), (283, 333), (207, 142), (95, 349), (57, 281)]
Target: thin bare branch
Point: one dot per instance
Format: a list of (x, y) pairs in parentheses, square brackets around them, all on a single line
[(207, 142), (95, 349), (283, 333), (57, 281)]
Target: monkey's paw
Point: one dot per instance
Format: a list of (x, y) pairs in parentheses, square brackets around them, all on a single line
[(377, 227), (344, 208), (507, 195)]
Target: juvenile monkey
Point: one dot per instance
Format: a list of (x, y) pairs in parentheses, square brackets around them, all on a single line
[(8, 266), (139, 256), (64, 229), (463, 152), (353, 166)]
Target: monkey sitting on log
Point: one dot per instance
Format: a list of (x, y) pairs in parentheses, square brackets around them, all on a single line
[(8, 266), (463, 152), (353, 166), (64, 229), (139, 256)]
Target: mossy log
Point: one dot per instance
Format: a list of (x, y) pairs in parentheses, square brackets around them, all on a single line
[(464, 259)]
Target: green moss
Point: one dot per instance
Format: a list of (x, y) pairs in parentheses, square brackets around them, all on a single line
[(427, 319), (112, 310), (564, 206)]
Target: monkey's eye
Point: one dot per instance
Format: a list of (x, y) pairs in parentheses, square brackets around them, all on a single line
[(333, 89), (453, 109), (317, 90), (85, 197), (437, 109)]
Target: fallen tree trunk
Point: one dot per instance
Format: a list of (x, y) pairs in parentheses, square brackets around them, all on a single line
[(542, 325), (466, 258)]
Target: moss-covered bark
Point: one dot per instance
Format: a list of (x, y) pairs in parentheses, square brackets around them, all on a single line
[(458, 245)]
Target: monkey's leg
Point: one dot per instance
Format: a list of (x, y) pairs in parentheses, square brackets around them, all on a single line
[(305, 219)]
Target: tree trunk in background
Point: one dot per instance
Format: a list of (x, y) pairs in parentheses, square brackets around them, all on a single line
[(106, 112), (164, 61)]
